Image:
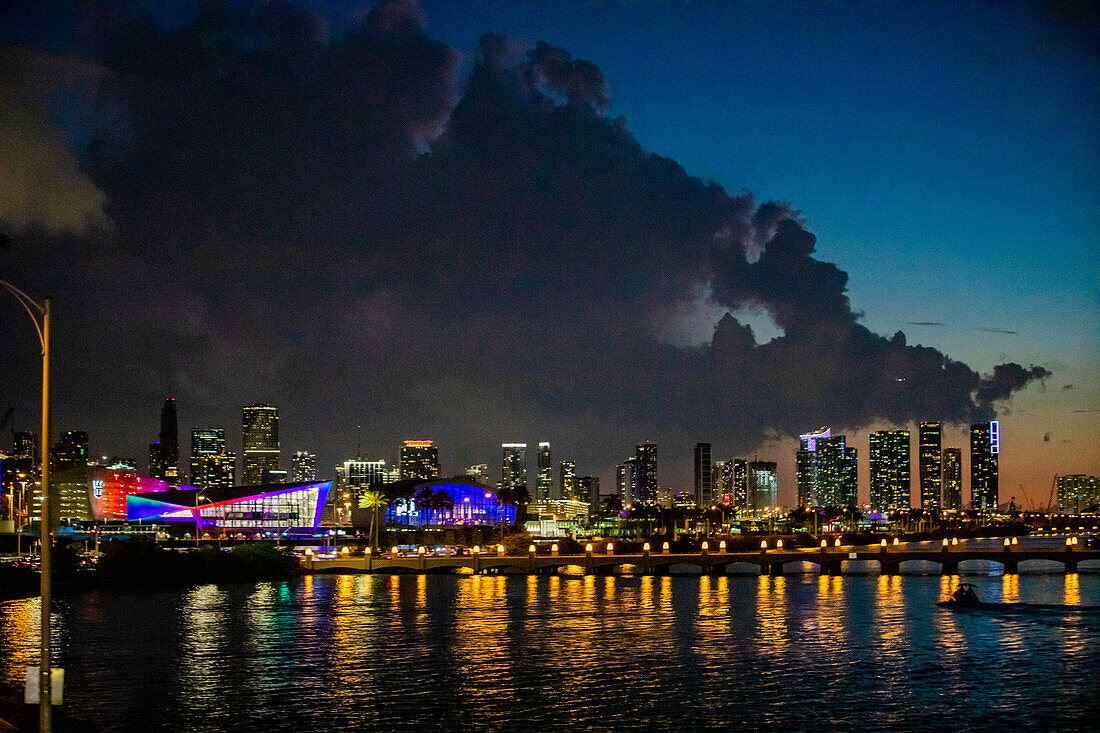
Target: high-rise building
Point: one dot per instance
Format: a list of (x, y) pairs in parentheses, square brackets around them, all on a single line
[(71, 451), (25, 445), (1078, 493), (624, 477), (419, 459), (567, 479), (930, 464), (260, 441), (722, 481), (212, 466), (164, 452), (704, 476), (985, 448), (544, 478), (360, 475), (645, 475), (826, 470), (588, 487), (952, 479), (303, 466), (513, 466), (763, 485), (890, 475), (741, 495)]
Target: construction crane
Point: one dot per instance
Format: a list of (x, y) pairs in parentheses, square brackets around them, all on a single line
[(1053, 488)]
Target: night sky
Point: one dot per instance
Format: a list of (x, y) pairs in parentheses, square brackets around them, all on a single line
[(588, 223)]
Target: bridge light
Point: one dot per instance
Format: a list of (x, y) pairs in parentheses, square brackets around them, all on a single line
[(645, 547), (531, 549), (500, 549), (895, 540), (664, 547), (477, 549), (1007, 543), (954, 540), (420, 550), (367, 551), (344, 551), (824, 543), (883, 543), (705, 545), (309, 552), (779, 544), (394, 550), (610, 548), (554, 547), (588, 547), (722, 546), (1015, 541), (763, 544), (837, 543), (945, 542)]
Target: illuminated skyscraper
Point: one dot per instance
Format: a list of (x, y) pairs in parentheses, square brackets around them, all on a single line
[(303, 467), (513, 466), (645, 475), (827, 474), (419, 459), (544, 479), (985, 448), (479, 472), (361, 475), (1078, 493), (763, 485), (212, 466), (952, 479), (930, 464), (722, 481), (588, 489), (741, 494), (25, 445), (260, 442), (890, 475), (568, 480), (71, 451)]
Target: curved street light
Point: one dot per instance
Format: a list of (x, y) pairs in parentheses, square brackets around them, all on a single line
[(34, 310)]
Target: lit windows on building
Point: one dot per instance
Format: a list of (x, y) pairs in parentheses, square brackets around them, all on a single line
[(567, 480), (890, 474), (704, 475), (419, 460), (211, 464), (239, 509), (930, 465), (763, 485), (645, 475), (985, 447), (544, 478), (303, 466), (513, 466), (260, 441), (952, 479)]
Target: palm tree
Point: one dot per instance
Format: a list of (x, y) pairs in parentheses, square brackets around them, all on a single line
[(423, 499), (441, 501), (373, 500), (504, 497)]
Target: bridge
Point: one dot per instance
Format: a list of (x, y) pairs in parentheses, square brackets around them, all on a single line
[(829, 560)]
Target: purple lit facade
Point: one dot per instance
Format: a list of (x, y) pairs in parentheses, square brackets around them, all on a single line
[(237, 509)]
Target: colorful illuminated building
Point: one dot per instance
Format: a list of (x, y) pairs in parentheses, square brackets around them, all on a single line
[(244, 509), (108, 487), (985, 449), (453, 501)]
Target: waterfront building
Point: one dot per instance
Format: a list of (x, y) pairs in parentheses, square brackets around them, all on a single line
[(685, 500), (952, 479), (211, 464), (763, 485), (588, 487), (741, 483), (567, 480), (164, 452), (556, 518), (930, 464), (544, 476), (419, 460), (890, 475), (303, 467), (624, 479), (109, 485), (704, 475), (645, 475), (985, 448), (240, 509), (360, 475), (513, 466), (1078, 494), (260, 441), (807, 465), (826, 470), (722, 482), (454, 501)]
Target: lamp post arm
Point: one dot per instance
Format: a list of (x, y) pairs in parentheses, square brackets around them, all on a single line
[(27, 301)]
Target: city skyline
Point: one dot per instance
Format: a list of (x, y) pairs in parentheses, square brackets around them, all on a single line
[(882, 271)]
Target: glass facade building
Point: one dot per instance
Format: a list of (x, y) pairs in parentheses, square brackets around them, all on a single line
[(890, 475), (419, 460), (930, 464), (259, 441), (238, 509), (952, 479), (985, 449), (467, 503)]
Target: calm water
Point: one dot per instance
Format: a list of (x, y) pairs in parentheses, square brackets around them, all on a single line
[(332, 653)]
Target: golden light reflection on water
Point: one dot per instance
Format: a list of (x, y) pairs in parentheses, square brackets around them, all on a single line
[(1073, 589)]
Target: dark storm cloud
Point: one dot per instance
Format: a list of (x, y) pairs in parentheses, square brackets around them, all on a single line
[(988, 329), (925, 323), (323, 223)]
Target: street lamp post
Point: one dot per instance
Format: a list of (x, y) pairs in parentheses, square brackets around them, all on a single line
[(43, 309)]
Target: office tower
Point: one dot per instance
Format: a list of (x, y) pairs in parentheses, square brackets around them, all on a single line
[(588, 489), (71, 451), (544, 478), (704, 477), (361, 475), (826, 470), (763, 485), (952, 479), (741, 494), (212, 466), (260, 441), (1078, 493), (930, 464), (479, 472), (274, 476), (722, 481), (303, 466), (513, 466), (985, 447), (645, 475), (567, 471), (164, 452), (890, 470), (622, 486), (419, 459)]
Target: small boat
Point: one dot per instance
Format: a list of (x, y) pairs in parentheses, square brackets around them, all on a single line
[(964, 597)]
